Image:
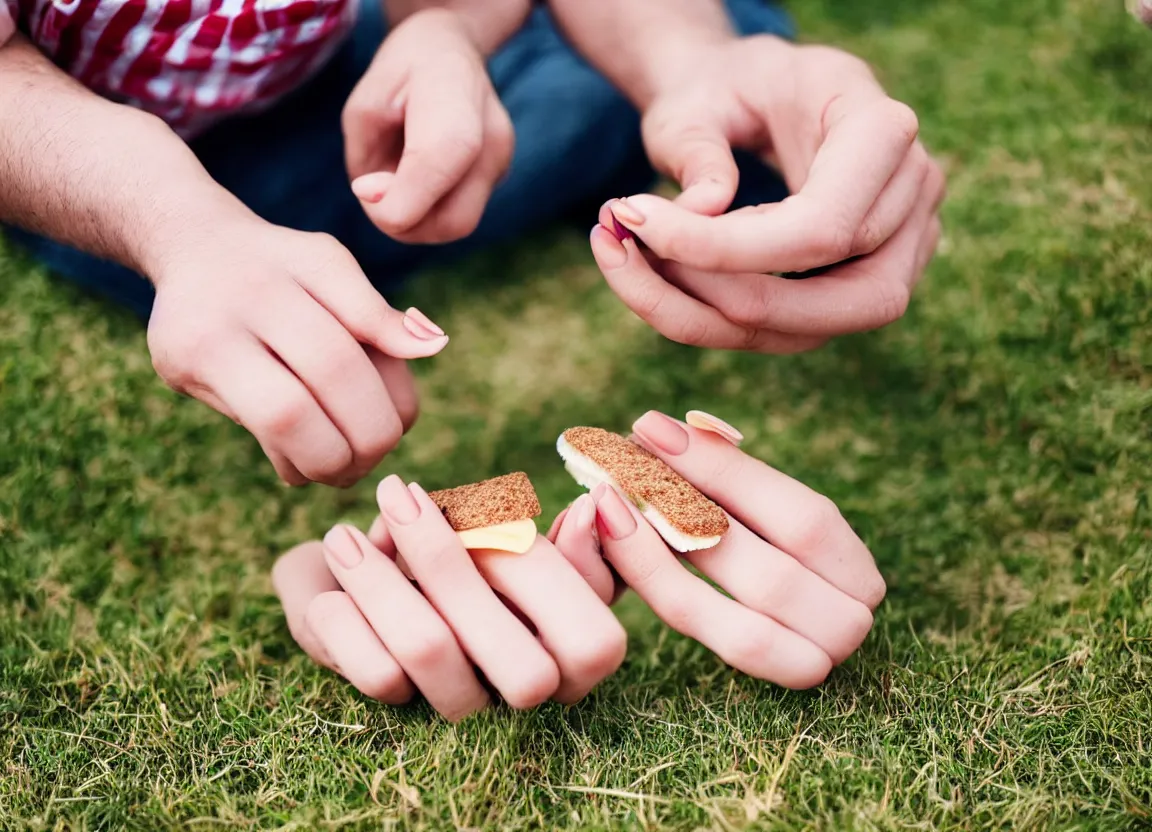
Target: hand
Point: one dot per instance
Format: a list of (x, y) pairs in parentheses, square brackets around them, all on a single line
[(281, 331), (864, 207), (802, 583), (528, 622), (426, 137)]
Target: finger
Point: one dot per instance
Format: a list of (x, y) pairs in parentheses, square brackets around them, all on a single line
[(401, 386), (865, 144), (340, 375), (741, 637), (860, 295), (299, 575), (357, 651), (765, 579), (373, 122), (381, 538), (575, 538), (786, 513), (510, 656), (443, 137), (554, 529), (698, 156), (670, 311), (895, 202), (459, 213), (574, 625), (412, 631), (281, 413)]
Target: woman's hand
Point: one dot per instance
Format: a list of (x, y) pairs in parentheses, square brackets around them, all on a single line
[(802, 584), (528, 622)]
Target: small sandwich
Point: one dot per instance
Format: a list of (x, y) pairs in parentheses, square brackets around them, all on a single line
[(685, 518), (494, 514)]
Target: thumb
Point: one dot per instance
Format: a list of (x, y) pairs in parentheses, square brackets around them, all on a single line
[(699, 157)]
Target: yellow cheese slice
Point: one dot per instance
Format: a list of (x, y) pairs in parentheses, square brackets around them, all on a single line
[(516, 537)]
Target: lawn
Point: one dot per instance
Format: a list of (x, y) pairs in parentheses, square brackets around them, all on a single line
[(993, 449)]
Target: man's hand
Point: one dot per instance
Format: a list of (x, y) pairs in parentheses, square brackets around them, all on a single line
[(801, 586), (426, 136), (864, 207), (282, 332)]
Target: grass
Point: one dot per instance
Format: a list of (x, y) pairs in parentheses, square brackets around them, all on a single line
[(993, 449)]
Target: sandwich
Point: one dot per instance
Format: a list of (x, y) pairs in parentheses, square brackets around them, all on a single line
[(685, 518), (493, 514)]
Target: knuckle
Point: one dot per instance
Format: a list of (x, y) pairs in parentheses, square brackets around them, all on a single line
[(680, 613), (874, 593), (902, 119), (776, 593), (893, 302), (857, 624), (812, 526), (748, 651), (690, 331), (459, 224), (427, 651), (600, 656), (177, 353), (385, 684), (408, 409), (536, 683), (286, 418)]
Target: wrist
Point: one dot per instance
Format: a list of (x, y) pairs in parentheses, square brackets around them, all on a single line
[(486, 25)]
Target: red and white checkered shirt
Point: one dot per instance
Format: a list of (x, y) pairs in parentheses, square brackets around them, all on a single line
[(190, 62)]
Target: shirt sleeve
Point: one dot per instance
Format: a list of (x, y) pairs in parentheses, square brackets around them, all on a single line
[(7, 20)]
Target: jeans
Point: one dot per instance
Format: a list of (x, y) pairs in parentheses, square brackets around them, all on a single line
[(578, 144)]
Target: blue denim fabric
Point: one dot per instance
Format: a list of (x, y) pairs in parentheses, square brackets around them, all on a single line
[(578, 144)]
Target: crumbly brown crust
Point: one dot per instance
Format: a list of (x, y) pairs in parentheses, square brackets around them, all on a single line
[(489, 503), (648, 480)]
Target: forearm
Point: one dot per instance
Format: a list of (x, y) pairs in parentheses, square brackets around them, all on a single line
[(640, 45), (96, 175), (489, 22)]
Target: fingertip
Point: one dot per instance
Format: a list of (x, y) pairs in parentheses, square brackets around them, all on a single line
[(371, 187), (609, 251), (709, 197)]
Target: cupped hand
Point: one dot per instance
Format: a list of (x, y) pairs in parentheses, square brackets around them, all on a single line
[(863, 210), (426, 137), (802, 585), (281, 331), (528, 622)]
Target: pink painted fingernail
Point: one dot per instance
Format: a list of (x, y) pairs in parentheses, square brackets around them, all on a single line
[(661, 433), (626, 212), (396, 501), (343, 547), (615, 518), (706, 421), (421, 325)]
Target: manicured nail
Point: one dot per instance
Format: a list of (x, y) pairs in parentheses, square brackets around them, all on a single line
[(418, 493), (610, 252), (661, 433), (615, 517), (585, 508), (627, 213), (343, 547), (368, 189), (706, 421), (396, 501), (421, 325)]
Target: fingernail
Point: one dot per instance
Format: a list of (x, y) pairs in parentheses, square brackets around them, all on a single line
[(615, 517), (661, 433), (620, 231), (396, 501), (706, 421), (586, 511), (610, 252), (343, 547), (626, 212), (418, 493), (368, 189), (421, 325)]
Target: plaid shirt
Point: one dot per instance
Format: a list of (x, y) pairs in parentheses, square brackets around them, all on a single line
[(190, 62)]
